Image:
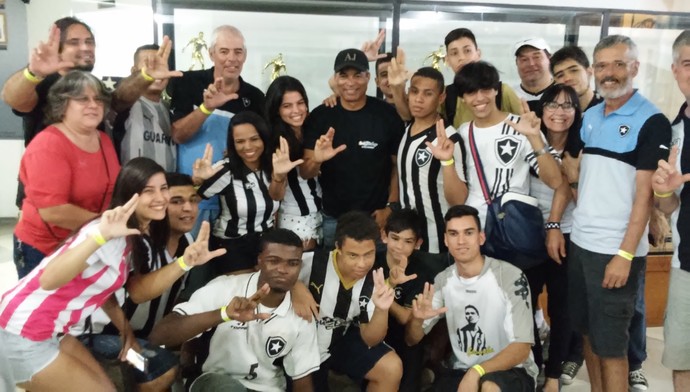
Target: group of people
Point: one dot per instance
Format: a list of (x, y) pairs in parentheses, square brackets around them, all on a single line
[(240, 240)]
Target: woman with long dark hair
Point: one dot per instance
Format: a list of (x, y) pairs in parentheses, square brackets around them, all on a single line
[(287, 107), (81, 276)]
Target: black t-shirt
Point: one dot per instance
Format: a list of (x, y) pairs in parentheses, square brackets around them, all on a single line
[(358, 178), (188, 92)]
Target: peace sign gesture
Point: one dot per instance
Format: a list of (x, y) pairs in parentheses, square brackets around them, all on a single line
[(444, 148), (422, 307), (323, 149), (281, 160), (215, 95), (529, 122), (203, 167), (396, 275), (197, 252), (244, 309), (114, 222), (667, 178)]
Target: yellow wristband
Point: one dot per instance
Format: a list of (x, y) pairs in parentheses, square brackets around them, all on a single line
[(146, 76), (224, 314), (205, 111), (449, 162), (388, 283), (182, 264), (626, 255), (31, 77), (479, 370), (663, 195), (98, 237)]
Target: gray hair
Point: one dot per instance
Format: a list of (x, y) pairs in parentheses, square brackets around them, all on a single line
[(682, 40), (613, 40), (232, 30), (73, 84)]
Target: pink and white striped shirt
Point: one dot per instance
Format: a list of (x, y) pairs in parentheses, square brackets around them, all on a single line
[(37, 314)]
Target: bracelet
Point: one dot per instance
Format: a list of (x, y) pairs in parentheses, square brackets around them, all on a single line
[(205, 111), (98, 237), (540, 152), (552, 225), (146, 76), (31, 77), (663, 195), (449, 162), (574, 185), (626, 255), (479, 370), (182, 264), (388, 283), (224, 314)]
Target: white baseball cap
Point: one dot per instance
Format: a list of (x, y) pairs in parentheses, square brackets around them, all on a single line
[(538, 43)]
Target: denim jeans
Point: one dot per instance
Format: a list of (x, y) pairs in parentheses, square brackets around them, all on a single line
[(26, 257)]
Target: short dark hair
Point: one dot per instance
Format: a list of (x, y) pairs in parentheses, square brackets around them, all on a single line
[(477, 76), (431, 73), (144, 47), (64, 24), (472, 306), (279, 236), (404, 219), (356, 225), (178, 179), (458, 33), (462, 210), (569, 53), (387, 59)]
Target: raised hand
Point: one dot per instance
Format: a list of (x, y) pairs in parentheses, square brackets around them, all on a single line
[(113, 222), (422, 307), (444, 148), (383, 295), (396, 275), (371, 48), (529, 122), (667, 178), (571, 166), (45, 58), (398, 75), (197, 252), (203, 167), (282, 164), (244, 309), (156, 66), (215, 95), (323, 149)]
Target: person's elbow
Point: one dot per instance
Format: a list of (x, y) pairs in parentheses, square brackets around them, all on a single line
[(178, 133), (552, 177), (522, 352), (47, 283)]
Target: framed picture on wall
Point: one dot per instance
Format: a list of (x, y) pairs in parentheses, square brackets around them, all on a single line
[(3, 31)]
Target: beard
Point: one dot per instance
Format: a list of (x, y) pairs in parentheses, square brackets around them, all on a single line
[(84, 67), (612, 93)]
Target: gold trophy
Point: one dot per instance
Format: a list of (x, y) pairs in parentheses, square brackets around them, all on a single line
[(198, 44), (437, 57), (278, 66)]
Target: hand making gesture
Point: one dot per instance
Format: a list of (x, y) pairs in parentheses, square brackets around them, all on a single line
[(398, 75), (203, 167), (444, 148), (667, 178), (113, 222), (383, 295), (422, 307), (282, 164), (215, 95), (156, 66), (396, 275), (529, 122), (197, 252), (244, 309), (371, 48), (323, 149), (45, 58)]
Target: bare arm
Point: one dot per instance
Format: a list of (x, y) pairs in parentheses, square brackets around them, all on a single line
[(375, 330), (175, 329), (454, 189), (401, 313), (304, 384), (20, 93), (310, 168), (67, 216), (549, 171), (323, 151), (555, 242), (185, 128), (398, 76)]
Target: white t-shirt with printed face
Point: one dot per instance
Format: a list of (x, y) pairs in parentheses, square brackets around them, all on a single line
[(248, 351)]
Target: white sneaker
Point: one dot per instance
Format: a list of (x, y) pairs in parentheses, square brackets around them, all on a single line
[(637, 381)]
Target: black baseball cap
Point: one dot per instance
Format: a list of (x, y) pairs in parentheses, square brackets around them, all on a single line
[(351, 58)]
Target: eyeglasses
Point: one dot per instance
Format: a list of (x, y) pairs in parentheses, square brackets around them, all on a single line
[(566, 106), (618, 65), (85, 99)]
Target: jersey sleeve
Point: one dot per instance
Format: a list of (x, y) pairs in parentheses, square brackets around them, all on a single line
[(304, 357), (218, 182), (210, 297), (654, 142), (458, 152), (516, 289)]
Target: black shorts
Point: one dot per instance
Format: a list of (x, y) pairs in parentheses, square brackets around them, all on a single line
[(513, 380)]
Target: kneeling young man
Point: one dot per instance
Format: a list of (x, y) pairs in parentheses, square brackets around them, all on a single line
[(353, 307), (486, 303), (258, 338)]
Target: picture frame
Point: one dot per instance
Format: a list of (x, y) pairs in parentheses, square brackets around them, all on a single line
[(3, 31)]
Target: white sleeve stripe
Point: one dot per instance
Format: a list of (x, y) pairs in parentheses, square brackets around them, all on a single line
[(306, 373)]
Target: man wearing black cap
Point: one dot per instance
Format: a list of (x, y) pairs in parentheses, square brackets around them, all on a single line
[(352, 147)]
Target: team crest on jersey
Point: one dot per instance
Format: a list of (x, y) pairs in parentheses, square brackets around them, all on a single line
[(398, 292), (623, 130), (274, 346), (246, 101), (422, 156), (363, 301), (506, 149), (249, 185)]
